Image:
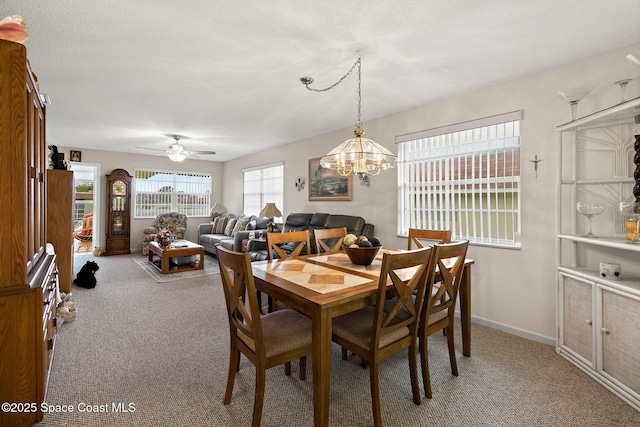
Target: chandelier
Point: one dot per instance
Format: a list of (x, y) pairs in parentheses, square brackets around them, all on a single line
[(357, 155)]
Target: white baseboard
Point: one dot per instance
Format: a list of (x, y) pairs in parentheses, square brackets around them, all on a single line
[(513, 331)]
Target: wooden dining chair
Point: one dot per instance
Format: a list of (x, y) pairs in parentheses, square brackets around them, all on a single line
[(437, 236), (288, 244), (440, 302), (273, 339), (375, 334), (329, 240)]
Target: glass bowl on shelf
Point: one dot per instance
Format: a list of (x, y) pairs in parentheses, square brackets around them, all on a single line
[(631, 212), (589, 210)]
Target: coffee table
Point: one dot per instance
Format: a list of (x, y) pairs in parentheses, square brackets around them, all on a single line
[(179, 248)]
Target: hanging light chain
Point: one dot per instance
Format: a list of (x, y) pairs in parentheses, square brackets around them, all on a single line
[(309, 80)]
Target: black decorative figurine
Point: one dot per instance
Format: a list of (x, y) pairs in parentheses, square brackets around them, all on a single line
[(57, 159)]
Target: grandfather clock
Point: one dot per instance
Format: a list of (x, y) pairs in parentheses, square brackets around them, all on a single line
[(118, 213)]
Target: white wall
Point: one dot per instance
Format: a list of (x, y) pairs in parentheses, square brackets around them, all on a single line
[(110, 160), (513, 290)]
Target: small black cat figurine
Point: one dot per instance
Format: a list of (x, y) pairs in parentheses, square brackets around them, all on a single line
[(57, 159), (86, 277)]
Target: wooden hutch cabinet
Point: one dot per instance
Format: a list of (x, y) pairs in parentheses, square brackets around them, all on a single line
[(28, 277), (118, 212), (60, 203)]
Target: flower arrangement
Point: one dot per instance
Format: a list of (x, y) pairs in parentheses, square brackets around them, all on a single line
[(164, 237)]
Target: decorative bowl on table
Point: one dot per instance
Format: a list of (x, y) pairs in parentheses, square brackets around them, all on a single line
[(362, 255)]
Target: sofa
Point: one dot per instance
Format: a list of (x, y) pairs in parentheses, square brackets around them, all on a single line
[(310, 221), (229, 230), (176, 222)]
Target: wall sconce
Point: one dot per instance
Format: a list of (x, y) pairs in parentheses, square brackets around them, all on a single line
[(300, 184), (365, 180)]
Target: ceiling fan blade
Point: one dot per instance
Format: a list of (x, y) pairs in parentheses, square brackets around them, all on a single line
[(153, 149), (203, 152)]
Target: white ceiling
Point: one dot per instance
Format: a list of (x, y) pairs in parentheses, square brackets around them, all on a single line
[(124, 73)]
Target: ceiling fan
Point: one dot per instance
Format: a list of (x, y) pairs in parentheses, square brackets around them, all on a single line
[(178, 152)]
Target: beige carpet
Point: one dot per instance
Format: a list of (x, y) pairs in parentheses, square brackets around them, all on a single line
[(210, 267), (165, 349)]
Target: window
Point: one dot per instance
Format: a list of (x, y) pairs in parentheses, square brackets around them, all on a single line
[(464, 177), (262, 185), (159, 191)]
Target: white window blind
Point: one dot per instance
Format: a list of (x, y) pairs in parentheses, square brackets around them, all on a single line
[(159, 191), (262, 185), (466, 178)]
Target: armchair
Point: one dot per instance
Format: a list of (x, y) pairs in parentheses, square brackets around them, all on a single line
[(174, 221)]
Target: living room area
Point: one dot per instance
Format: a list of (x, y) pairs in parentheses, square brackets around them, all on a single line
[(150, 348)]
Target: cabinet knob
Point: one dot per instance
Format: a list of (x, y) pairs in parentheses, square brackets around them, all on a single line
[(605, 331), (589, 321)]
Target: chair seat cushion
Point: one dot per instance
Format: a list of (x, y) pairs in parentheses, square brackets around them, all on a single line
[(283, 331), (357, 327)]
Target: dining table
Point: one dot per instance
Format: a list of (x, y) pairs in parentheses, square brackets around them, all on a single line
[(329, 285)]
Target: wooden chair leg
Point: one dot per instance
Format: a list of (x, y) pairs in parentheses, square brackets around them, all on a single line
[(413, 368), (259, 295), (452, 350), (234, 358), (424, 362), (363, 363), (259, 397), (303, 368), (287, 368), (344, 354), (375, 394)]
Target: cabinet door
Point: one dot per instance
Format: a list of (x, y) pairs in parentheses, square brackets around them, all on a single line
[(621, 339), (578, 317)]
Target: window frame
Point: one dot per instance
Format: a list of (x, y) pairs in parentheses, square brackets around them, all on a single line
[(495, 199), (265, 195), (202, 209)]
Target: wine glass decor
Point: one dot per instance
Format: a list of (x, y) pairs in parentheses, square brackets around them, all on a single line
[(589, 210), (573, 96)]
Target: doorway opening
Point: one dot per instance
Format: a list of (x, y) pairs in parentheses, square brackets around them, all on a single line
[(87, 207)]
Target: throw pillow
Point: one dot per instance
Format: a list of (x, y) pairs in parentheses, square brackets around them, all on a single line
[(241, 225), (229, 228), (252, 225), (220, 224)]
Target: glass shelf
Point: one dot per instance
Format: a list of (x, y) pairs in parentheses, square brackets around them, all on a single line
[(623, 112), (610, 242)]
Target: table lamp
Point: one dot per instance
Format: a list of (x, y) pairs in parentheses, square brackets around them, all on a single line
[(270, 211), (217, 210)]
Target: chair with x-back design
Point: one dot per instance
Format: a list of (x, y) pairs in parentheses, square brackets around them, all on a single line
[(329, 240), (270, 340), (288, 244), (375, 334), (417, 236), (440, 302)]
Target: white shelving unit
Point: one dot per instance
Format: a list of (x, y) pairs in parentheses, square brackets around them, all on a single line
[(598, 319)]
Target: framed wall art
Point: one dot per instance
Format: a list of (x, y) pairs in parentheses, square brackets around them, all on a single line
[(75, 156), (327, 184)]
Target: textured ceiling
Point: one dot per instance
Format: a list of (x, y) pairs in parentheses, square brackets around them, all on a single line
[(122, 74)]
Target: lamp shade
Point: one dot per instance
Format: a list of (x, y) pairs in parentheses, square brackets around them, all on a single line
[(359, 155), (218, 208), (270, 211)]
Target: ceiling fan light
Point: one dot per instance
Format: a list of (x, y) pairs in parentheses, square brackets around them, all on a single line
[(177, 157)]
